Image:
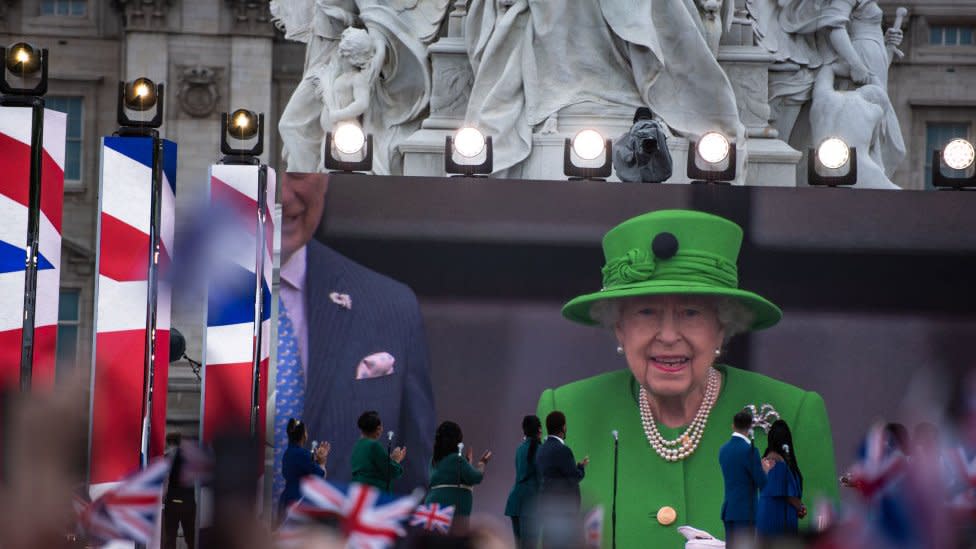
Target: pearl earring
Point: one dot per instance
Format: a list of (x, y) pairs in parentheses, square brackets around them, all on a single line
[(718, 352), (620, 349)]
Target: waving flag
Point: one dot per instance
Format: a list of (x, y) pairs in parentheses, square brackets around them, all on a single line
[(366, 518), (593, 527), (128, 511), (433, 517), (879, 468)]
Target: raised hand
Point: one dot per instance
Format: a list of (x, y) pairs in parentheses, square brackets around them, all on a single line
[(399, 453)]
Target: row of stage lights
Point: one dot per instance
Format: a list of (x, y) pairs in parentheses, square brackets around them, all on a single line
[(140, 104), (469, 152)]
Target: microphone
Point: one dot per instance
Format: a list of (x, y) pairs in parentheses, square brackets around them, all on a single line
[(389, 436), (615, 435), (460, 447), (786, 448)]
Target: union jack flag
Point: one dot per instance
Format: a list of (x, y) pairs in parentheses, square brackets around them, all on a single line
[(433, 517), (128, 511), (593, 527), (198, 464), (366, 519), (879, 467)]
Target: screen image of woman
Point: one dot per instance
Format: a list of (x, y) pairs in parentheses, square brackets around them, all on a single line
[(671, 299)]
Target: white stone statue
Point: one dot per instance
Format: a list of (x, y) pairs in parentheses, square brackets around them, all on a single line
[(806, 35), (863, 118), (716, 18), (534, 58), (380, 75)]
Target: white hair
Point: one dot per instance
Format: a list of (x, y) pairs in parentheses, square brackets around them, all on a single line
[(734, 317)]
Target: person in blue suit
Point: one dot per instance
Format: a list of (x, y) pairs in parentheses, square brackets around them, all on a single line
[(521, 499), (559, 496), (743, 474), (298, 463), (360, 340)]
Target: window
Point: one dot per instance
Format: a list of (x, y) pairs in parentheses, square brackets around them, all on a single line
[(950, 35), (68, 322), (937, 135), (71, 8), (71, 106)]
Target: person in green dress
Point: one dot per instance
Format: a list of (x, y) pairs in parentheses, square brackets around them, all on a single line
[(521, 499), (671, 299), (371, 464), (452, 477)]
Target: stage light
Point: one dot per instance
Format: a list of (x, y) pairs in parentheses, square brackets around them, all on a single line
[(713, 147), (717, 153), (833, 153), (140, 96), (242, 126), (349, 138), (587, 145), (468, 144), (959, 154), (23, 59), (28, 66)]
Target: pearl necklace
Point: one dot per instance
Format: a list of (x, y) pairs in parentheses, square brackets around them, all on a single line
[(687, 443)]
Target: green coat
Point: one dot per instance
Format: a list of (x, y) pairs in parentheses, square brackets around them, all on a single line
[(372, 465), (527, 482), (452, 470), (693, 487)]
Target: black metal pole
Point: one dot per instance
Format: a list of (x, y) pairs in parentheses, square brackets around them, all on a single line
[(613, 505), (148, 388), (33, 238), (262, 214)]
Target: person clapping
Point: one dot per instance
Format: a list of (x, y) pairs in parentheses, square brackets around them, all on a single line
[(298, 462), (371, 463), (452, 477)]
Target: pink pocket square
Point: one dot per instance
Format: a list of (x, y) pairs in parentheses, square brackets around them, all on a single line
[(375, 365)]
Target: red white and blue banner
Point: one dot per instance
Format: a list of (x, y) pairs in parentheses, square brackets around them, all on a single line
[(232, 333), (15, 152), (121, 303)]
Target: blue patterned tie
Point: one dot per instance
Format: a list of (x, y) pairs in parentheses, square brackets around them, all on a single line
[(289, 392)]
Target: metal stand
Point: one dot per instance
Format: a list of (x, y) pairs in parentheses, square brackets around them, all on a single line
[(613, 505), (262, 214)]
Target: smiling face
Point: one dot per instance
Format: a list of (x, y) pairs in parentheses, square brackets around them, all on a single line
[(669, 341), (302, 204)]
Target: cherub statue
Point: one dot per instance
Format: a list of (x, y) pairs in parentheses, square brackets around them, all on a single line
[(379, 73), (345, 82)]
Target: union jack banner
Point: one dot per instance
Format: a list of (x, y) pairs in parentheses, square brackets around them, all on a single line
[(232, 333), (121, 301), (433, 517), (367, 519), (15, 152), (879, 467), (128, 511), (593, 527)]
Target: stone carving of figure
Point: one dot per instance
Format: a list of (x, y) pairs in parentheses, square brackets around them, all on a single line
[(534, 58), (809, 34), (380, 74), (344, 83), (716, 19), (318, 23), (864, 119)]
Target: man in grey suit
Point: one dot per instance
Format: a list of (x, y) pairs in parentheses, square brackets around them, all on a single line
[(360, 339)]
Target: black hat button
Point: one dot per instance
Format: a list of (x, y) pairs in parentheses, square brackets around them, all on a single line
[(664, 245)]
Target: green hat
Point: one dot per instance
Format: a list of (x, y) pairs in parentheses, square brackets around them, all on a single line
[(673, 252)]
